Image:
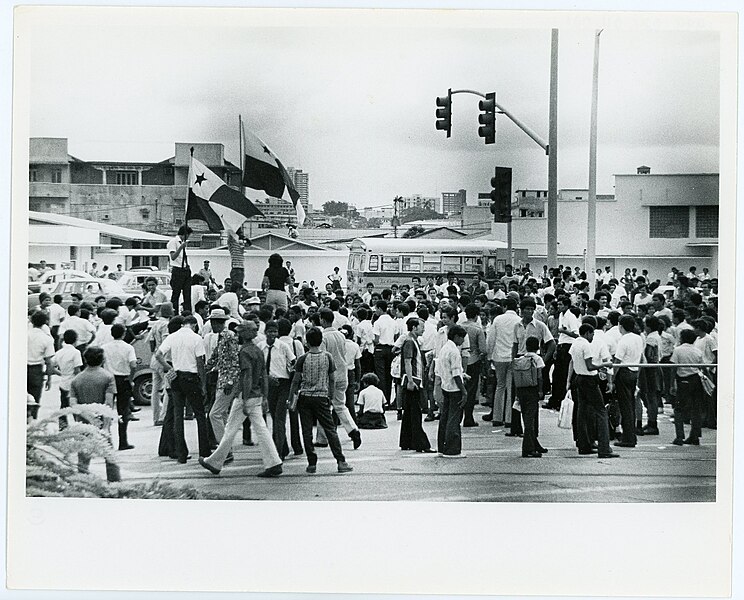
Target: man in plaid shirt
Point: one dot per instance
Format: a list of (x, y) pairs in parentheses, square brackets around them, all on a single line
[(225, 360)]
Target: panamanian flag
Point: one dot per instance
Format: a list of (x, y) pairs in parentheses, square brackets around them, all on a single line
[(210, 199), (264, 172)]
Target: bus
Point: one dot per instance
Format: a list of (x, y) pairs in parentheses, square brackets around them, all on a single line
[(384, 261)]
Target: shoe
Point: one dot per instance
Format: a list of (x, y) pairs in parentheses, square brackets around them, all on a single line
[(274, 471), (487, 417), (229, 458), (248, 443), (535, 454), (132, 418), (344, 467), (650, 430), (126, 447), (436, 417), (356, 437), (510, 434), (691, 442), (158, 424), (191, 418), (207, 466), (610, 455), (542, 450), (182, 460), (135, 409), (400, 415), (640, 431), (429, 418), (677, 442), (473, 424), (320, 445), (300, 453), (500, 423), (427, 451), (624, 445), (585, 452), (311, 469)]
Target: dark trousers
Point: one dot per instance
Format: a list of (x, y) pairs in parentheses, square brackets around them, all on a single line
[(278, 397), (167, 445), (560, 375), (181, 283), (383, 358), (186, 387), (123, 398), (64, 402), (34, 386), (367, 362), (318, 409), (688, 406), (625, 384), (472, 388), (592, 415), (350, 395), (412, 434), (449, 435), (546, 376), (208, 404), (237, 275), (529, 399)]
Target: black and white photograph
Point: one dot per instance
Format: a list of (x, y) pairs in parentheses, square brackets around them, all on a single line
[(341, 266)]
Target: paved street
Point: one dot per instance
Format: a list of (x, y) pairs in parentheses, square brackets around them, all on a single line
[(493, 471)]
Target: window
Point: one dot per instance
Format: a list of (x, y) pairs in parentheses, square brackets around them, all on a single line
[(411, 264), (33, 175), (351, 261), (374, 262), (432, 265), (390, 263), (669, 222), (471, 264), (706, 221), (451, 263), (57, 176), (126, 178)]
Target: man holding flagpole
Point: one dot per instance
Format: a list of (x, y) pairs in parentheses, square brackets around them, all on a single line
[(180, 269)]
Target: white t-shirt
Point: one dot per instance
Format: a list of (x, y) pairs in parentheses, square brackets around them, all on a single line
[(103, 335), (40, 346), (82, 327), (366, 337), (117, 357), (386, 328), (67, 359), (172, 246), (185, 346), (580, 350), (57, 314), (569, 321), (371, 399), (629, 349), (353, 353)]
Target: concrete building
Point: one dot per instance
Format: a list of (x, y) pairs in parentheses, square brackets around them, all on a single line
[(418, 201), (302, 185), (452, 202), (653, 221)]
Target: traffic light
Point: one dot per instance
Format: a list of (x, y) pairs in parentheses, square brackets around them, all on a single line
[(501, 195), (444, 112), (487, 118)]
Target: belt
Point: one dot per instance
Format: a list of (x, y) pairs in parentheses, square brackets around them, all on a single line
[(186, 268), (187, 373)]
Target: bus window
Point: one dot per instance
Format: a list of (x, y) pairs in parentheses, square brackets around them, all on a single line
[(471, 264), (410, 264), (432, 264), (374, 262), (350, 266), (363, 262), (451, 263), (390, 263), (355, 262)]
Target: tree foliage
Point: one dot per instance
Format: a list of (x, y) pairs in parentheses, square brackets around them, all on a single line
[(416, 213), (333, 208), (414, 231)]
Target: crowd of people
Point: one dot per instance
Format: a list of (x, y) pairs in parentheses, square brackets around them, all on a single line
[(289, 366)]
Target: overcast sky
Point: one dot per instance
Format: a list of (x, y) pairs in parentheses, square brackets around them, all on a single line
[(350, 98)]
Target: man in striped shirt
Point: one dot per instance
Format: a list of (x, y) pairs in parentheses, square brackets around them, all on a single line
[(236, 246)]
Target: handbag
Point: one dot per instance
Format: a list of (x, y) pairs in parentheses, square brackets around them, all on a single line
[(565, 416), (708, 386)]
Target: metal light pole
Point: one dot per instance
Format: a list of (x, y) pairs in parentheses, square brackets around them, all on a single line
[(591, 226), (553, 156)]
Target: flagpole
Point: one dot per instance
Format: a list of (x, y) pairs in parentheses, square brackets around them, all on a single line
[(242, 158), (188, 184)]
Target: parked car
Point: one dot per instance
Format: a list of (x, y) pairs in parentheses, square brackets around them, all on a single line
[(48, 281), (142, 385), (89, 289), (132, 281)]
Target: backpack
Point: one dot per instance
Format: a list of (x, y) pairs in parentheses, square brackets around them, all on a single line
[(524, 372)]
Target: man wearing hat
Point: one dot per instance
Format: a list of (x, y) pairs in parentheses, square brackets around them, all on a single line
[(252, 386), (207, 275), (158, 332)]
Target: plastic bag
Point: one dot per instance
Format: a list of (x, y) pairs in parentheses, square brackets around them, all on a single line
[(566, 413)]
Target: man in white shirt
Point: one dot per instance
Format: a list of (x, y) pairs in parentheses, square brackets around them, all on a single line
[(280, 360), (568, 329), (454, 395), (590, 413), (384, 331), (40, 349), (57, 314), (642, 297), (120, 360), (607, 275), (500, 342), (67, 363), (180, 269), (188, 357), (629, 351), (367, 296), (84, 329)]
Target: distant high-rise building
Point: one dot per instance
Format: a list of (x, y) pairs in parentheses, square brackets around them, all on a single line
[(452, 202), (418, 201), (301, 183)]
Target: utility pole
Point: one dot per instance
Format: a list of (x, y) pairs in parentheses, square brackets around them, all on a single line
[(552, 250), (591, 226), (396, 220)]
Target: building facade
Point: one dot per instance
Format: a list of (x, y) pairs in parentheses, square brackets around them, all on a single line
[(452, 202)]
